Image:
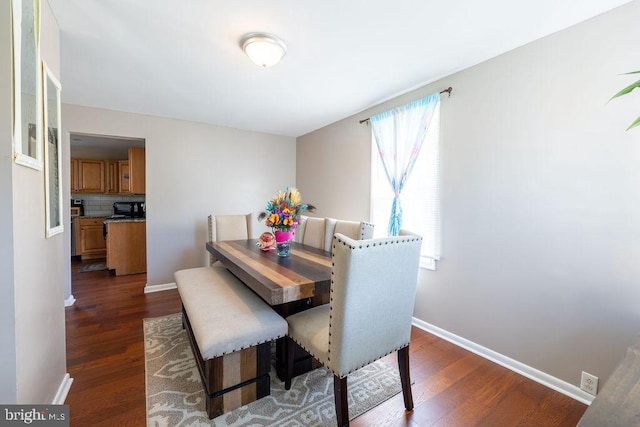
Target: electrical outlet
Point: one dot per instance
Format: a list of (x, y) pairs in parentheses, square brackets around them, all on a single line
[(589, 383)]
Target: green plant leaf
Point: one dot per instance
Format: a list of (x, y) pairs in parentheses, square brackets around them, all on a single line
[(634, 124), (627, 89)]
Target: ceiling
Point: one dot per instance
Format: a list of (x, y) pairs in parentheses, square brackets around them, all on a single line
[(182, 59), (117, 147)]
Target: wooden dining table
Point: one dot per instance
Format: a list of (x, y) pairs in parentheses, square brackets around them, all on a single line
[(289, 284), (304, 274)]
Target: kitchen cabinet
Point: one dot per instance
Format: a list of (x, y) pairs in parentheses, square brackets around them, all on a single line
[(137, 170), (90, 176), (90, 238), (123, 177), (111, 176), (74, 175), (127, 247)]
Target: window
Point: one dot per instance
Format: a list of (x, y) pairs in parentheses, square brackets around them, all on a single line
[(420, 198)]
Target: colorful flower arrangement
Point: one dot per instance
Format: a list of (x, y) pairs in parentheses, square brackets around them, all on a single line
[(283, 211)]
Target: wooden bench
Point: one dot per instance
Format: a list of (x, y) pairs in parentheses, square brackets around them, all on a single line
[(230, 329)]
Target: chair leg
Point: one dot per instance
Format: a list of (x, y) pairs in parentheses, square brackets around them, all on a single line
[(291, 353), (405, 377), (340, 396)]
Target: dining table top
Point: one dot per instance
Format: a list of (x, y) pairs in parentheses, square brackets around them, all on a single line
[(305, 273)]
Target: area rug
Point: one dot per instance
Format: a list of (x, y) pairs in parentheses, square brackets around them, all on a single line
[(96, 266), (175, 396)]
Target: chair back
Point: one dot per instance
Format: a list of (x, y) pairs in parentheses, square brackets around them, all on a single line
[(299, 231), (318, 232), (313, 232), (353, 229), (373, 287), (228, 227)]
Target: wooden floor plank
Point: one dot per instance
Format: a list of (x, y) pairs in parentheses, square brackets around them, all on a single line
[(451, 386)]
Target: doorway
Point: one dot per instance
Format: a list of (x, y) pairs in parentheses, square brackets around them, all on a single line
[(100, 178)]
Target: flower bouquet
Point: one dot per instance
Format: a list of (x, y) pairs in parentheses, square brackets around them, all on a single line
[(282, 215)]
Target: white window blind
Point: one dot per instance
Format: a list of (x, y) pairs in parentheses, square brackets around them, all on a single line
[(420, 197)]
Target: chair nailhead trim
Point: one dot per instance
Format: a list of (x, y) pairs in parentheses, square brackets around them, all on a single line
[(248, 346), (399, 239)]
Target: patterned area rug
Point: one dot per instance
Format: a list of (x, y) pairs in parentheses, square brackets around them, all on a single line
[(93, 267), (175, 396)]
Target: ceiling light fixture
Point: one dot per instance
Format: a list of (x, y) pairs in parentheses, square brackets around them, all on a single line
[(264, 49)]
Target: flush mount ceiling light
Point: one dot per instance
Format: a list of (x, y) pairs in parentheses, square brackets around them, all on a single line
[(263, 49)]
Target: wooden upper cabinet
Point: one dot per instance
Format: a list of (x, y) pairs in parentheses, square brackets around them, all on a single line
[(74, 175), (123, 176), (111, 176), (136, 170), (90, 176)]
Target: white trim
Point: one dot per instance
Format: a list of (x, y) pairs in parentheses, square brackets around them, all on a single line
[(511, 364), (69, 301), (157, 288), (63, 390), (428, 263)]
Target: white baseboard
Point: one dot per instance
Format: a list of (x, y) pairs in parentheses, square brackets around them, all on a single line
[(157, 288), (511, 364), (63, 390), (69, 301)]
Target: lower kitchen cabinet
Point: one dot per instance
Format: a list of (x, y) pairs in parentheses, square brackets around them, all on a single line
[(127, 247), (90, 238)]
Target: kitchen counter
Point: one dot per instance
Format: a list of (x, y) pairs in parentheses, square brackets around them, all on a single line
[(125, 219), (126, 245)]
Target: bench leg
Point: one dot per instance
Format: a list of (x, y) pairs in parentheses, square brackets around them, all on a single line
[(232, 380), (236, 379)]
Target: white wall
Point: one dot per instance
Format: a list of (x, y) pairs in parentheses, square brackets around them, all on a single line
[(540, 198), (7, 288), (32, 312), (192, 170), (333, 166)]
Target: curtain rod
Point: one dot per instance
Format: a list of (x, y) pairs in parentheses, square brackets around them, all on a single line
[(447, 90)]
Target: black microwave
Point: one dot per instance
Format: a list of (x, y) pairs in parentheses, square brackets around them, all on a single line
[(132, 209)]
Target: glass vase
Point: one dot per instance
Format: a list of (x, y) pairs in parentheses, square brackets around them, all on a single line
[(283, 242)]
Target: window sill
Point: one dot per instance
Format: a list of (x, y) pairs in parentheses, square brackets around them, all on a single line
[(428, 263)]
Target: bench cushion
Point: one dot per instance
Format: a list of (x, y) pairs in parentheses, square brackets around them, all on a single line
[(225, 315)]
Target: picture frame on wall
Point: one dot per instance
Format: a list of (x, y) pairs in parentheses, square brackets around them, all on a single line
[(51, 90), (27, 90)]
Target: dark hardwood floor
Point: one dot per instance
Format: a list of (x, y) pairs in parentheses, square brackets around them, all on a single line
[(452, 387)]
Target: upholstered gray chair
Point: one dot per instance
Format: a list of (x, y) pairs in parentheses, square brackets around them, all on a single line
[(228, 227), (373, 286)]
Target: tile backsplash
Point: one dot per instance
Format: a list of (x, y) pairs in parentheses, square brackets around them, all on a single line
[(102, 204)]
